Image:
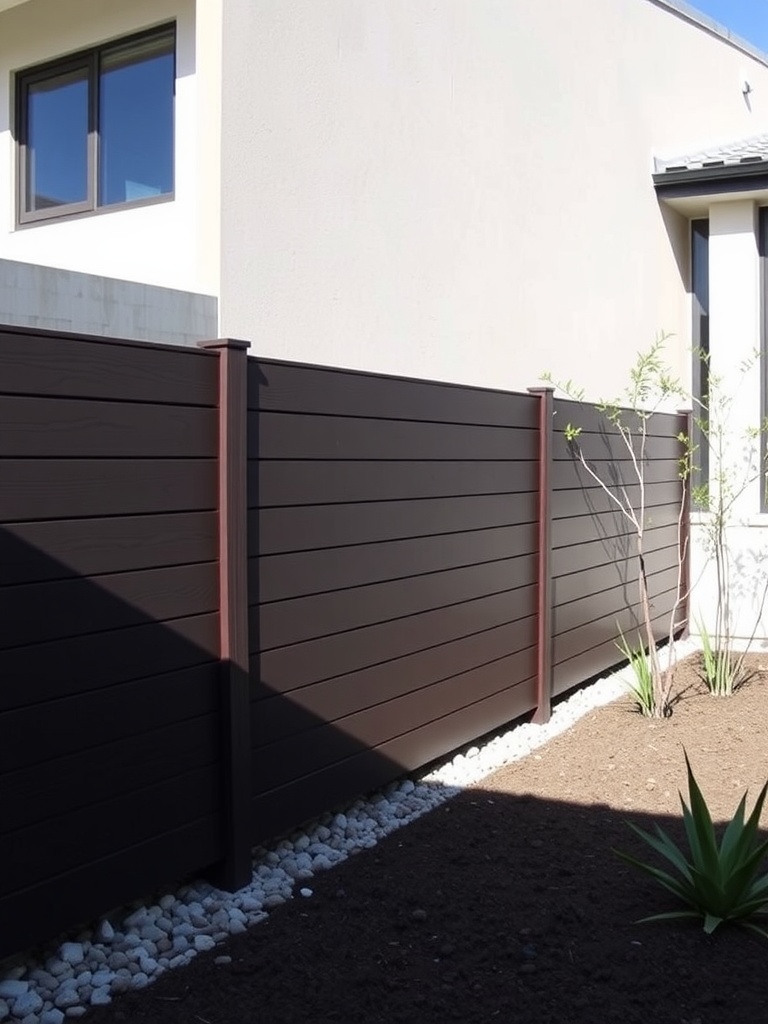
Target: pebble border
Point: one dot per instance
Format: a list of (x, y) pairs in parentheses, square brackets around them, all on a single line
[(130, 948)]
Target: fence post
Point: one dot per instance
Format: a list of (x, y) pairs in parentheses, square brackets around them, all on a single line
[(235, 870), (544, 575)]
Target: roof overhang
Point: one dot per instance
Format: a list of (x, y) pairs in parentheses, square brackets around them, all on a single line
[(7, 4), (693, 190)]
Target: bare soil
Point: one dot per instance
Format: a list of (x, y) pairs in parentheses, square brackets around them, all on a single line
[(508, 903)]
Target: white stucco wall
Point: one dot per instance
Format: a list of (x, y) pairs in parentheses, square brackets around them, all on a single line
[(463, 190), (173, 244), (734, 337)]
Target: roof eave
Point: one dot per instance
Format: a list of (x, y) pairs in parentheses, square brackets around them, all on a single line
[(699, 181)]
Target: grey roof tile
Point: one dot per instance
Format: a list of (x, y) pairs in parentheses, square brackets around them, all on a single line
[(743, 151)]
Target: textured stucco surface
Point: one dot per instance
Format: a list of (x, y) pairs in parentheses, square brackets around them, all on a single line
[(464, 191)]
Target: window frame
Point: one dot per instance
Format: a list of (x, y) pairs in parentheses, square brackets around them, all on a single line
[(90, 60), (699, 249)]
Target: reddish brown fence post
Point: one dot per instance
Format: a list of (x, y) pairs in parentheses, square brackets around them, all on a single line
[(544, 575), (235, 870)]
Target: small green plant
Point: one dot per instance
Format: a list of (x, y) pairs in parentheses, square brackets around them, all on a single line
[(626, 483), (734, 460), (642, 687), (723, 668), (717, 883)]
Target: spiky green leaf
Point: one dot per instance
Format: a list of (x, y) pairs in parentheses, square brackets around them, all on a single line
[(718, 883)]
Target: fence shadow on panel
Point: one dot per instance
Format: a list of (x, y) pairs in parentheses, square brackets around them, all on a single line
[(391, 578), (111, 737)]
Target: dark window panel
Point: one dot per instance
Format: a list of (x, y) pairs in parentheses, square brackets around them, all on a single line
[(57, 141), (97, 129), (136, 121), (700, 338)]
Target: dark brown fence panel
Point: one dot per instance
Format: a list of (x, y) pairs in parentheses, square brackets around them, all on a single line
[(392, 572), (215, 624), (595, 592), (109, 632)]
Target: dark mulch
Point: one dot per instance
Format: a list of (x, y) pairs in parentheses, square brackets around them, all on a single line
[(507, 904)]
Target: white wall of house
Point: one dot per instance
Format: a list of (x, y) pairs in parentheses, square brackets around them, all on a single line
[(171, 244), (734, 338), (463, 190)]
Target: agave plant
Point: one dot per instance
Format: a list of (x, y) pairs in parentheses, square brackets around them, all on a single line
[(717, 883)]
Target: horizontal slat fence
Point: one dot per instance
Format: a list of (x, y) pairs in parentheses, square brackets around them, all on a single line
[(235, 592), (594, 564), (392, 577), (109, 638)]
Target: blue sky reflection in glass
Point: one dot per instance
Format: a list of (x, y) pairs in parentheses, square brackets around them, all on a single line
[(136, 121), (57, 150)]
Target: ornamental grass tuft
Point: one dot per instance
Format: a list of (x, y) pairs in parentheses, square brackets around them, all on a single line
[(641, 687)]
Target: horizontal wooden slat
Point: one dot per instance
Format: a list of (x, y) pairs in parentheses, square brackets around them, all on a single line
[(286, 668), (578, 650), (82, 664), (274, 811), (318, 483), (32, 915), (73, 725), (285, 387), (596, 579), (278, 577), (289, 759), (577, 661), (603, 446), (609, 550), (275, 530), (607, 603), (35, 552), (73, 488), (283, 719), (592, 420), (590, 501), (112, 771), (274, 715), (60, 844), (288, 622), (296, 436), (583, 529), (39, 612), (74, 428), (71, 367), (614, 474)]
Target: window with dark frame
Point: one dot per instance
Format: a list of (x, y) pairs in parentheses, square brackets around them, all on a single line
[(95, 130), (700, 339)]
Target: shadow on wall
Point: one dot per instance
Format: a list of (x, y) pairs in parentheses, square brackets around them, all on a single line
[(678, 233)]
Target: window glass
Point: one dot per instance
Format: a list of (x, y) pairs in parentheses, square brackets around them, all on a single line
[(136, 120), (700, 338), (57, 141), (96, 129)]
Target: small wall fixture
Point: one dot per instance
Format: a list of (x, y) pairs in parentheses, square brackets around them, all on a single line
[(746, 88)]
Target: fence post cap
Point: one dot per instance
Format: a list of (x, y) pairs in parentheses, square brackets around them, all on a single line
[(231, 343)]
